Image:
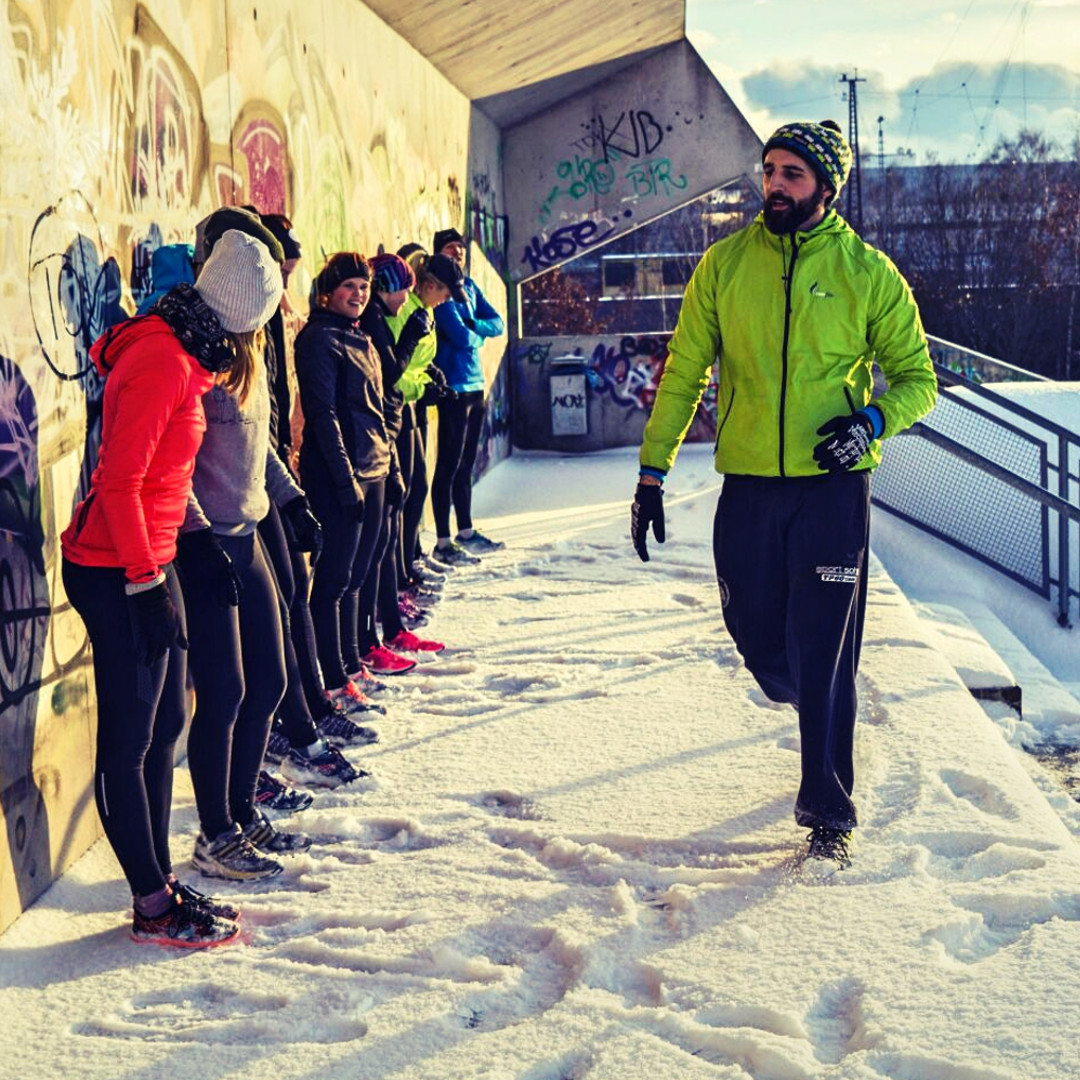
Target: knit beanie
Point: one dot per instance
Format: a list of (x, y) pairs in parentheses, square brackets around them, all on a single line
[(340, 267), (408, 250), (444, 269), (391, 273), (822, 146), (444, 237), (240, 282), (211, 229)]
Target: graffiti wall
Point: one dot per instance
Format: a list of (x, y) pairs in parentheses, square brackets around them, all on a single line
[(123, 125), (614, 157), (621, 375)]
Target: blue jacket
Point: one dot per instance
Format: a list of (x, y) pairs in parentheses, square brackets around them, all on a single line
[(170, 264), (461, 330)]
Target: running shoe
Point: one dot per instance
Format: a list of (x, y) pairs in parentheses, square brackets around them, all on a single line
[(233, 857), (277, 746), (270, 841), (183, 924), (382, 661), (422, 573), (829, 846), (220, 909), (367, 682), (272, 794), (478, 543), (407, 641), (433, 566), (454, 555), (417, 598), (350, 699), (327, 769), (345, 732), (412, 616)]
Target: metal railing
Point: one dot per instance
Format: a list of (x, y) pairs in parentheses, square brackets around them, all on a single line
[(994, 479)]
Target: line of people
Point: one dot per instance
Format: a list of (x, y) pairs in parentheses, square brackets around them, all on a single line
[(285, 597)]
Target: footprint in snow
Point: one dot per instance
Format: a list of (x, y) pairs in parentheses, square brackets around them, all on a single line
[(510, 804), (982, 794)]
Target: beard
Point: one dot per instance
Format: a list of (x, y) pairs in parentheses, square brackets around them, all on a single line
[(784, 215)]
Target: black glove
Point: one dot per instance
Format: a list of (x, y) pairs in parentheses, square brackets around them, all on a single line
[(204, 563), (418, 325), (438, 379), (847, 440), (647, 509), (393, 490), (302, 528), (158, 625)]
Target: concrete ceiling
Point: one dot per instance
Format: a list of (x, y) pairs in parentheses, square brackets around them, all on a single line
[(492, 47)]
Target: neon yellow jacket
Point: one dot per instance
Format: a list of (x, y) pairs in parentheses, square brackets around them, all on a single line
[(415, 377), (796, 322)]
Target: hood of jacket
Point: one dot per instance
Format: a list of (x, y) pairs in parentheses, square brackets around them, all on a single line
[(119, 338)]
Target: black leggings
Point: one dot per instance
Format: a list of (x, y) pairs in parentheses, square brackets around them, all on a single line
[(413, 460), (349, 547), (238, 667), (460, 422), (298, 636), (141, 713)]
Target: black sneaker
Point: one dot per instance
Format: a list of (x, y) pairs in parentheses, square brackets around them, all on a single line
[(328, 768), (182, 924), (339, 729), (829, 845), (272, 794), (478, 543), (277, 746), (261, 835), (454, 555), (220, 909)]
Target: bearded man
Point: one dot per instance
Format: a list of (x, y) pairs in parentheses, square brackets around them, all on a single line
[(794, 309)]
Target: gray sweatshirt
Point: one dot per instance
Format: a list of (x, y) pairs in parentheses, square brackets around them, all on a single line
[(236, 471)]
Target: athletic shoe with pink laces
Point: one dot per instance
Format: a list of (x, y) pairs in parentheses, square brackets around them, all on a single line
[(366, 681), (407, 641), (383, 661)]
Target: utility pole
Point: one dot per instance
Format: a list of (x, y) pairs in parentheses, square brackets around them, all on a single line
[(854, 191)]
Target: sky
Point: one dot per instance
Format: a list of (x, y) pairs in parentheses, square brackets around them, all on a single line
[(575, 857), (948, 78)]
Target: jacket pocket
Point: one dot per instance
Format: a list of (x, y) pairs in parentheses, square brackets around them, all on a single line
[(721, 423)]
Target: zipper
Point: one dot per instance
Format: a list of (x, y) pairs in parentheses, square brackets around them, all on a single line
[(723, 423), (788, 281)]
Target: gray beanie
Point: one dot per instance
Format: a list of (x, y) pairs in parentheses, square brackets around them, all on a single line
[(240, 282)]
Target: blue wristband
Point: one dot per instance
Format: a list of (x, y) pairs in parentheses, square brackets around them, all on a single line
[(876, 418), (648, 470)]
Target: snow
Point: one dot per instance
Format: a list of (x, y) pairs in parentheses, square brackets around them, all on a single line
[(576, 857)]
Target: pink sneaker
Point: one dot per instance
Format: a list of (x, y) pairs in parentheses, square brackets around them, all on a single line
[(382, 661), (367, 682), (407, 641)]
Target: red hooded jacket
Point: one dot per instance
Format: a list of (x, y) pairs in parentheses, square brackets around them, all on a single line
[(152, 427)]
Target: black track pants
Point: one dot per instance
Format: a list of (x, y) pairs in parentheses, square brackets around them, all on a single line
[(790, 559)]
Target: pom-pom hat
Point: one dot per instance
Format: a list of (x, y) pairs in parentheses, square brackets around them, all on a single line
[(822, 146), (240, 282)]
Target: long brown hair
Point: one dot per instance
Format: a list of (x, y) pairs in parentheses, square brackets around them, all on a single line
[(248, 348)]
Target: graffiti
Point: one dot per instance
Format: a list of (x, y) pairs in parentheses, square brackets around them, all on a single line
[(564, 243), (495, 435), (630, 375), (654, 178), (492, 233), (537, 353), (634, 133), (263, 148)]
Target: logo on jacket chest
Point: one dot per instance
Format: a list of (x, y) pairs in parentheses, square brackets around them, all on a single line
[(820, 293)]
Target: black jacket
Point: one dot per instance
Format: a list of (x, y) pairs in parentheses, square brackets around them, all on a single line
[(341, 392)]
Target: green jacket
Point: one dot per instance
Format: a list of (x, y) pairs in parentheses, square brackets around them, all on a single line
[(796, 322), (415, 377)]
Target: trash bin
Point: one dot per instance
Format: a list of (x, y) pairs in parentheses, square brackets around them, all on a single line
[(569, 396)]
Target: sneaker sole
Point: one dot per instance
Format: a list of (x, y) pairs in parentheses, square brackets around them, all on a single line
[(184, 944), (236, 875)]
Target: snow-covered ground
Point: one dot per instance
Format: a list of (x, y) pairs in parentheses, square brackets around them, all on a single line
[(576, 859)]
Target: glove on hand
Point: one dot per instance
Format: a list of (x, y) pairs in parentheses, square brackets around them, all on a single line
[(847, 440), (204, 561), (393, 490), (158, 625), (302, 528), (647, 509), (438, 379)]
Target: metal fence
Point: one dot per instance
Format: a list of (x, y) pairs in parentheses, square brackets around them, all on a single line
[(994, 479)]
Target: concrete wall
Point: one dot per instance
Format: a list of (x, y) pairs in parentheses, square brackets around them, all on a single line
[(612, 385), (646, 140), (123, 124)]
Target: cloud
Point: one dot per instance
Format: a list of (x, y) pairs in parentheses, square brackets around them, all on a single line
[(956, 112)]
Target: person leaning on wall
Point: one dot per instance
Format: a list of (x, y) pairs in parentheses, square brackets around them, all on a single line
[(462, 327), (118, 572)]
